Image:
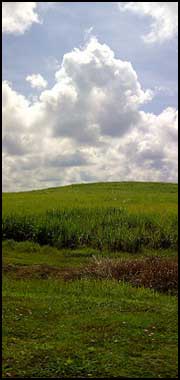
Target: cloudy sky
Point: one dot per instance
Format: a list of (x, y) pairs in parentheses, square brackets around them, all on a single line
[(89, 93)]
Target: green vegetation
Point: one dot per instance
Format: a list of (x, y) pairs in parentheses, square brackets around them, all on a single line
[(95, 224), (29, 253), (137, 197), (77, 262), (109, 229), (87, 329)]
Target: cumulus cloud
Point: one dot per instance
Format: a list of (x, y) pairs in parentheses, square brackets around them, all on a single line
[(17, 17), (88, 127), (163, 16), (15, 109), (105, 88), (152, 148), (36, 81)]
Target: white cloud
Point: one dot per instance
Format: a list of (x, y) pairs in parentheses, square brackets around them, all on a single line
[(15, 109), (105, 88), (17, 17), (36, 81), (165, 90), (88, 127), (88, 33), (51, 63), (163, 16)]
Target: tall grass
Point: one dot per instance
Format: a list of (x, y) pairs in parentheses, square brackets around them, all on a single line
[(112, 229)]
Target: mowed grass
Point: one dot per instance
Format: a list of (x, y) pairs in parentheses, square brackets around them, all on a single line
[(86, 329)]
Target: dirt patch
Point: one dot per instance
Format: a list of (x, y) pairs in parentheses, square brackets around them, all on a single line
[(155, 273), (37, 271)]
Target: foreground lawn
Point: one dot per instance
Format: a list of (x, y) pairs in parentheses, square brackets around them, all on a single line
[(87, 328)]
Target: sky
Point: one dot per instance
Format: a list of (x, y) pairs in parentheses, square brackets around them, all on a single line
[(89, 93)]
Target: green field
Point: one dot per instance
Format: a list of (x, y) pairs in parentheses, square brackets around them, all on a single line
[(90, 281), (113, 216), (134, 196)]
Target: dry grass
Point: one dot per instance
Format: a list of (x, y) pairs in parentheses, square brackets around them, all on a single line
[(155, 273)]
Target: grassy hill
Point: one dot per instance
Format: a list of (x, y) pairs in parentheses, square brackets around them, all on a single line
[(105, 216), (135, 196), (90, 281)]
